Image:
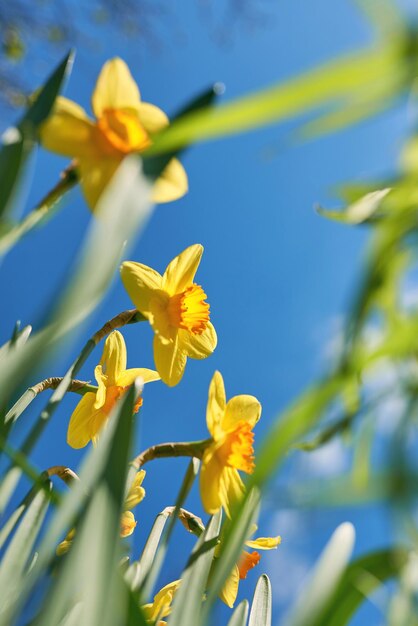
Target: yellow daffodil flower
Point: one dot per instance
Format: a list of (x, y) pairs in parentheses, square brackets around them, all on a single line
[(128, 523), (93, 410), (123, 125), (161, 606), (247, 561), (176, 309), (230, 424)]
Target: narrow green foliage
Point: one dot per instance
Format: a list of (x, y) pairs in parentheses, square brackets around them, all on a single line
[(260, 614)]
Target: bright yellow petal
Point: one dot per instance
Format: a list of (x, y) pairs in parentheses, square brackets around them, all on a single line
[(141, 282), (181, 270), (102, 386), (78, 434), (169, 360), (216, 404), (230, 589), (95, 175), (198, 346), (264, 543), (127, 524), (172, 183), (136, 492), (98, 421), (114, 357), (210, 481), (115, 88), (231, 489), (128, 377), (152, 118), (161, 606), (241, 409), (68, 131)]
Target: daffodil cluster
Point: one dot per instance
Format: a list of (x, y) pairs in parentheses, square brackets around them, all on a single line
[(177, 309)]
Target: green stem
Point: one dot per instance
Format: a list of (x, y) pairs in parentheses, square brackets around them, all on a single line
[(77, 386), (168, 450), (69, 179)]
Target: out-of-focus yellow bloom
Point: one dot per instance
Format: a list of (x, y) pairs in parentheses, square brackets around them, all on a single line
[(123, 125), (230, 424), (161, 606), (114, 379), (247, 561), (135, 495), (128, 523), (176, 309)]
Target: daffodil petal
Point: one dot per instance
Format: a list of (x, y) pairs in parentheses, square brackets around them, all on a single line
[(169, 360), (127, 524), (115, 88), (97, 422), (128, 377), (101, 390), (181, 270), (264, 543), (172, 184), (152, 118), (141, 282), (136, 492), (229, 591), (68, 131), (95, 175), (114, 357), (78, 434), (210, 481), (216, 404), (241, 409), (231, 489), (199, 346), (161, 606)]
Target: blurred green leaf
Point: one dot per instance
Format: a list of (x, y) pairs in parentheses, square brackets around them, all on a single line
[(358, 582), (17, 554), (188, 600), (240, 615), (236, 533), (19, 141), (336, 82), (361, 211), (151, 562), (104, 469), (260, 614), (324, 580)]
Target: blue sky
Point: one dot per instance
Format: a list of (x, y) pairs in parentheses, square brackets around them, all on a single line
[(278, 276)]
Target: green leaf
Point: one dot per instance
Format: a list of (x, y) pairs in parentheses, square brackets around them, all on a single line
[(18, 142), (358, 582), (103, 471), (17, 555), (236, 533), (324, 579), (240, 615), (361, 211), (151, 562), (336, 82), (260, 614), (188, 599)]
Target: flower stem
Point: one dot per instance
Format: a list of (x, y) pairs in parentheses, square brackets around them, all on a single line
[(65, 473), (77, 386), (167, 450), (69, 179)]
